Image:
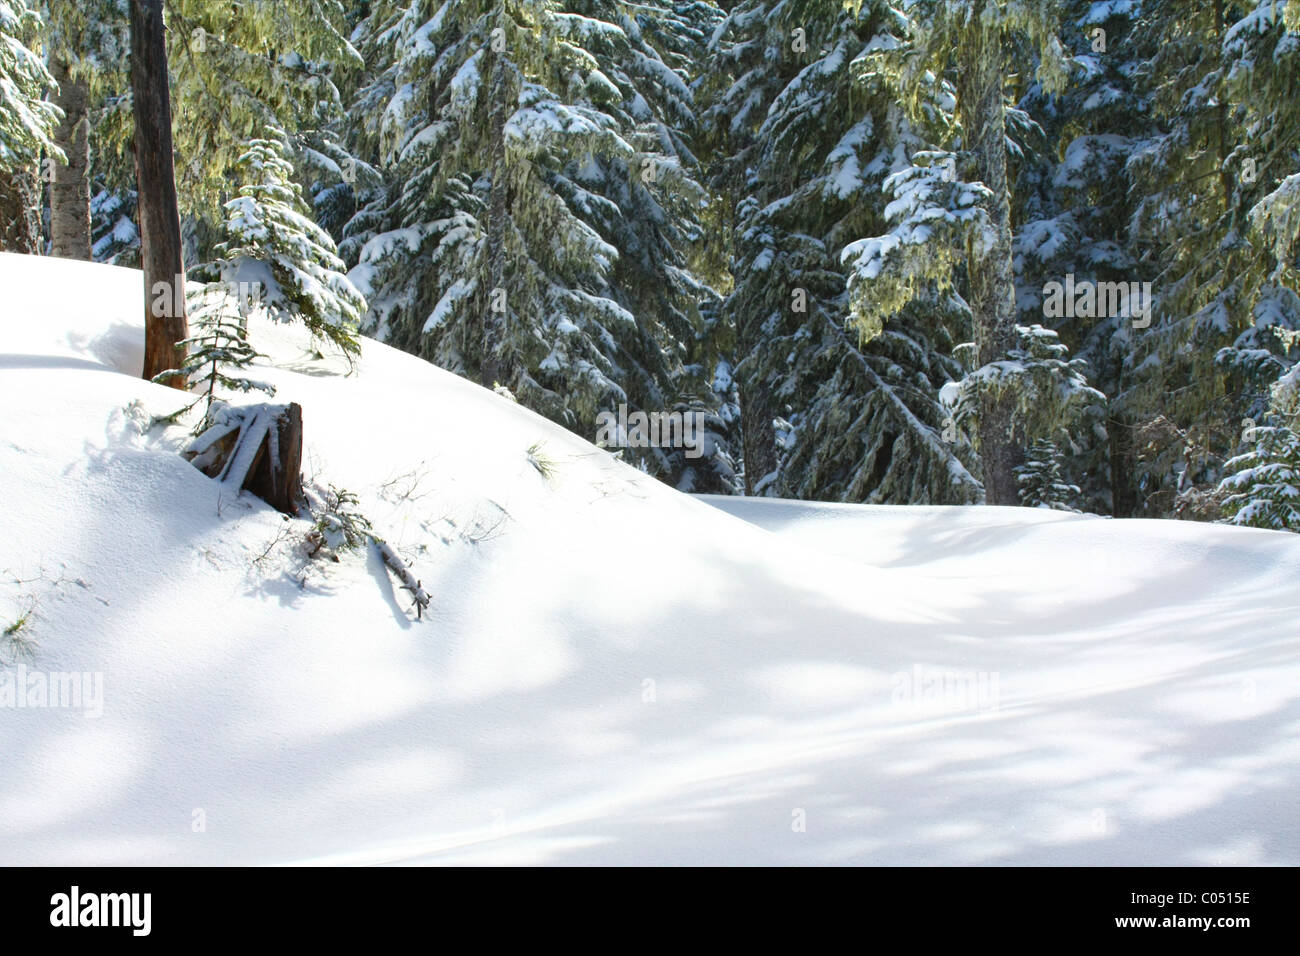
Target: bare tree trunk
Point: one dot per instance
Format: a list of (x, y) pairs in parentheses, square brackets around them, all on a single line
[(1123, 490), (992, 284), (494, 367), (20, 229), (160, 222), (757, 433), (757, 408), (70, 188)]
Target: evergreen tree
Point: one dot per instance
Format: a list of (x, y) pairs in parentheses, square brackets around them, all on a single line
[(114, 237), (717, 469), (281, 261), (1040, 481), (27, 119), (1222, 82), (27, 123), (1262, 487), (258, 69), (219, 352), (1072, 208), (802, 146), (540, 204), (967, 194)]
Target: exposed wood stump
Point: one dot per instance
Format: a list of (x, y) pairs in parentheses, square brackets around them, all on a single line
[(276, 477), (255, 448)]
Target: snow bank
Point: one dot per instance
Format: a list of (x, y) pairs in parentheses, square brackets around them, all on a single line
[(610, 672)]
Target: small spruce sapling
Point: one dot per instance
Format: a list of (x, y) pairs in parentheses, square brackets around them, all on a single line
[(340, 525), (1264, 488), (1040, 482), (1263, 484), (216, 354)]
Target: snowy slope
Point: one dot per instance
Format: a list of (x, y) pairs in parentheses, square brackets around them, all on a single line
[(611, 672)]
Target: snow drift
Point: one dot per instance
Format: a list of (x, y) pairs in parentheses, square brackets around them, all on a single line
[(610, 672)]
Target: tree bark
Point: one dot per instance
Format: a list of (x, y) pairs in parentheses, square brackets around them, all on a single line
[(277, 477), (757, 433), (19, 223), (1123, 490), (992, 285), (257, 448), (70, 187), (165, 325), (494, 365)]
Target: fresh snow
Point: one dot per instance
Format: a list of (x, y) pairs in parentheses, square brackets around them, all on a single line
[(610, 671)]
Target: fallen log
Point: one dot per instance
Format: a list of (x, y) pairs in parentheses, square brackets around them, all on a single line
[(403, 571)]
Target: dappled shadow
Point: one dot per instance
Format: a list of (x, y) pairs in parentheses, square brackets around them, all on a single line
[(1095, 752), (611, 674)]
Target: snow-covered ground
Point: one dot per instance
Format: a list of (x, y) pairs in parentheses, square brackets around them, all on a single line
[(611, 672)]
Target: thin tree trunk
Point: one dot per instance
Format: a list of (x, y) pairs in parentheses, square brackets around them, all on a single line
[(992, 285), (160, 223), (494, 365), (757, 408), (1225, 174), (20, 229), (757, 433), (70, 188), (1123, 490)]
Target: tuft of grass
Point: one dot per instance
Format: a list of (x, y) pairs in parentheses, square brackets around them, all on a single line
[(544, 463), (17, 637)]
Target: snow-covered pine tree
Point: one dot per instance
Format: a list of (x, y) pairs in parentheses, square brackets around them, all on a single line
[(744, 74), (114, 236), (257, 69), (27, 123), (1265, 45), (1046, 391), (1222, 83), (801, 148), (950, 219), (27, 119), (1262, 487), (717, 469), (539, 205), (968, 41), (1040, 480), (654, 222), (1072, 206), (282, 262)]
